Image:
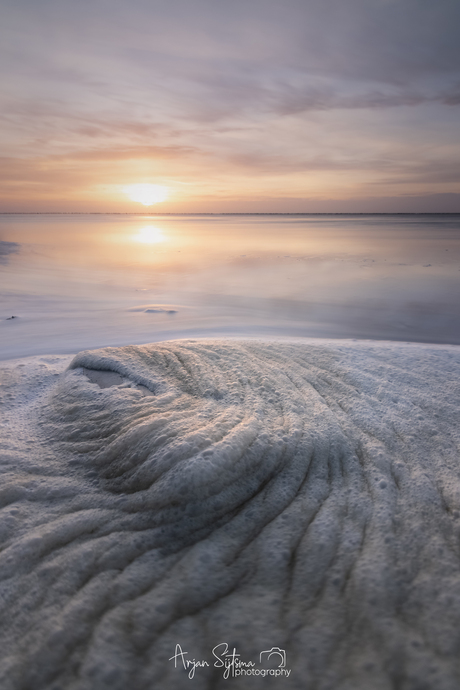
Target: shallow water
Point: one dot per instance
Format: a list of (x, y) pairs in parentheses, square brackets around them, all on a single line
[(80, 281)]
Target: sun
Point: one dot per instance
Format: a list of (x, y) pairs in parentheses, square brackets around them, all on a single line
[(147, 194)]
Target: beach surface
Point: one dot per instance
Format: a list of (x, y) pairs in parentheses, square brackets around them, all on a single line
[(231, 499)]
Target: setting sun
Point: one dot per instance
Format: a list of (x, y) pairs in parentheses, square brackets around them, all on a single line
[(147, 194)]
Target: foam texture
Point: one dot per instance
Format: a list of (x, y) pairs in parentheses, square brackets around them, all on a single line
[(262, 493)]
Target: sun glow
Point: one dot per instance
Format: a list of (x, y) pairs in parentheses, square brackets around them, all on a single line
[(147, 194), (149, 235)]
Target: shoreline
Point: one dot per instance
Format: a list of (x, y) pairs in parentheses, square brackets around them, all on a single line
[(231, 336)]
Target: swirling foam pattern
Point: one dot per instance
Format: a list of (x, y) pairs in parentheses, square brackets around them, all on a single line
[(297, 495)]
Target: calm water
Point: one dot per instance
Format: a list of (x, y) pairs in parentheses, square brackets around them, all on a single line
[(82, 281)]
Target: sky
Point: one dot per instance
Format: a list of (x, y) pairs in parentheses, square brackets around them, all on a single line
[(279, 106)]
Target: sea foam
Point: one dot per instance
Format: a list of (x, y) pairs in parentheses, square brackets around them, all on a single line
[(287, 494)]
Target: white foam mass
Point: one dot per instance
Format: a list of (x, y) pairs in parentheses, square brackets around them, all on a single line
[(294, 494)]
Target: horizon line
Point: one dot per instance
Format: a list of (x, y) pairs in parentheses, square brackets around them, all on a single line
[(240, 213)]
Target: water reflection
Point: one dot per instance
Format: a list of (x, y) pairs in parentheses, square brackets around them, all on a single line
[(150, 235), (83, 281)]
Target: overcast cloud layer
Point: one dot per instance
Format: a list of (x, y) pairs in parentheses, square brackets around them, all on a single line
[(259, 105)]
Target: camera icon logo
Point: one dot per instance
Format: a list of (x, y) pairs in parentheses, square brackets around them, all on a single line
[(274, 650)]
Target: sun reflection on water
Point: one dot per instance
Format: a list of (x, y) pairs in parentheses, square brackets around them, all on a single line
[(150, 235)]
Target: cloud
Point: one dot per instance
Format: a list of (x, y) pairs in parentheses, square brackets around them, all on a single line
[(132, 153)]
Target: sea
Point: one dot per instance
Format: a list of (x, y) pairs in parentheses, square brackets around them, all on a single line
[(79, 281)]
